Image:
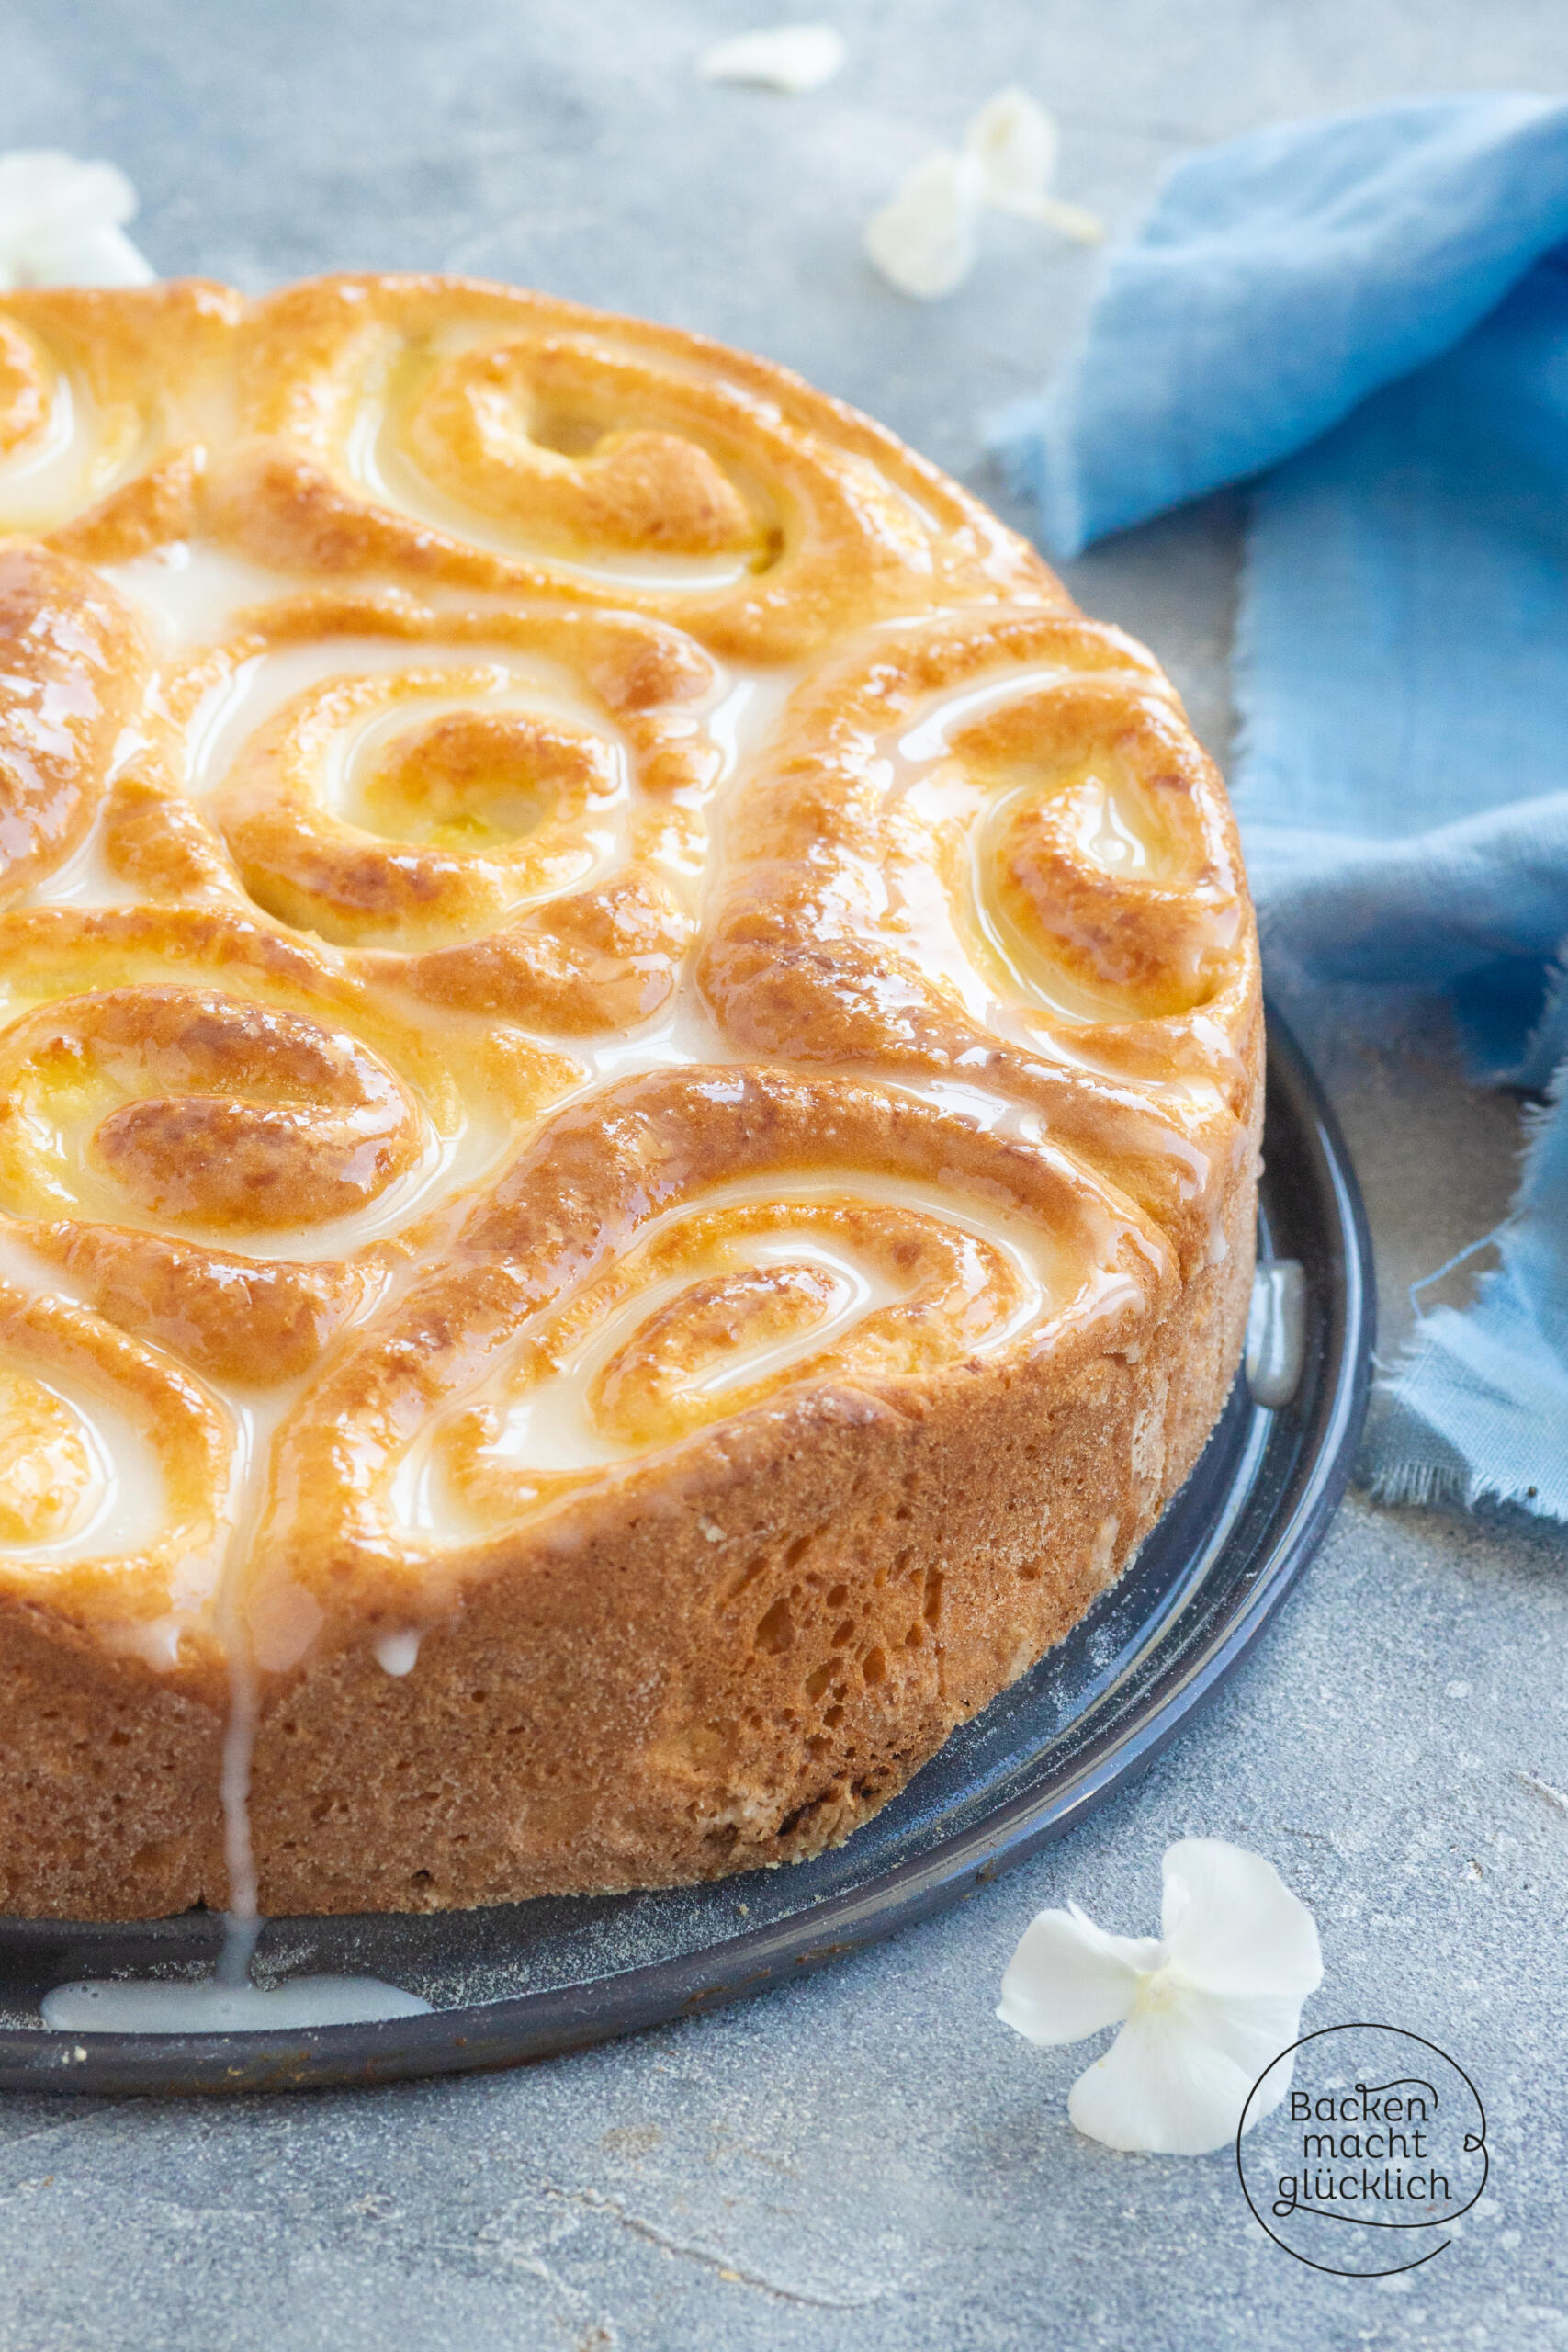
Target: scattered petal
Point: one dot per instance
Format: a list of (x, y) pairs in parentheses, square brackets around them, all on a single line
[(98, 256), (1069, 1977), (1072, 221), (1174, 2080), (791, 58), (924, 240), (1232, 1925), (1206, 2009), (61, 222), (1013, 140)]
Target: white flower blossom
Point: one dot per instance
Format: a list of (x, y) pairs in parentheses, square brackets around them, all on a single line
[(791, 58), (61, 222), (923, 241), (1014, 142), (926, 237), (1202, 2011)]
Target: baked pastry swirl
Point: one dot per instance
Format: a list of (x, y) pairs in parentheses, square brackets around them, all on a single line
[(631, 1064)]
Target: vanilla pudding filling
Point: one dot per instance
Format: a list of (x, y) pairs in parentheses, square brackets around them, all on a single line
[(459, 1143), (550, 1425), (119, 1501), (391, 478), (263, 683), (60, 469), (376, 456), (929, 741)]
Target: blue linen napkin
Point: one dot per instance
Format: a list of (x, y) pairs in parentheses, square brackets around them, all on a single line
[(1368, 318)]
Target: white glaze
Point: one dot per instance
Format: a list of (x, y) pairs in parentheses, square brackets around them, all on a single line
[(189, 592), (1275, 1333), (745, 709), (397, 1653), (84, 879), (138, 2004), (682, 1036)]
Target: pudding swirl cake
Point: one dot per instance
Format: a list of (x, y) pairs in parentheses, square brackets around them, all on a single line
[(629, 1078)]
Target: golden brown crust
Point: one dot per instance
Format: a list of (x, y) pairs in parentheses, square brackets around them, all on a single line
[(632, 1070), (146, 374), (73, 671), (556, 433)]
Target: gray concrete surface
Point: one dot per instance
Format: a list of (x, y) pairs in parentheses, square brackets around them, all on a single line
[(870, 2162)]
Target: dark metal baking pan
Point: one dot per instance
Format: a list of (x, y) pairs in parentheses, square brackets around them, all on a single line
[(526, 1980)]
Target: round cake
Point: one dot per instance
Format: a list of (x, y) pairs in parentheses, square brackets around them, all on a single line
[(629, 1087)]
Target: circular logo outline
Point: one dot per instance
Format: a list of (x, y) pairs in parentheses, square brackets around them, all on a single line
[(1369, 2024)]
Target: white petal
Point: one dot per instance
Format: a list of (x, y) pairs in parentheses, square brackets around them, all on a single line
[(1069, 1977), (1232, 1925), (1251, 2030), (87, 257), (1013, 140), (792, 58), (43, 188), (1175, 2078), (1072, 221), (924, 240), (60, 222)]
